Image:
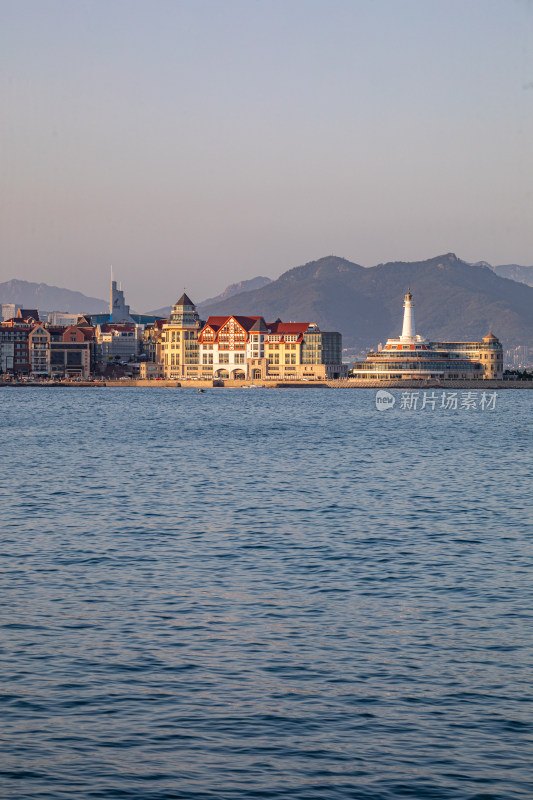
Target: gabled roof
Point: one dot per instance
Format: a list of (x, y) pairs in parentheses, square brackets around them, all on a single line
[(28, 313), (215, 323), (247, 323)]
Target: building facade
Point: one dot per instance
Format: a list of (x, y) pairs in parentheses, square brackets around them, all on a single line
[(179, 341), (411, 357), (488, 353), (39, 350), (70, 352), (239, 348), (117, 341)]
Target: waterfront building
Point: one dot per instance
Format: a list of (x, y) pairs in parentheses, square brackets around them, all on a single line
[(151, 341), (300, 350), (31, 347), (117, 341), (239, 347), (14, 352), (488, 353), (70, 351), (411, 357), (179, 341), (39, 350), (226, 344)]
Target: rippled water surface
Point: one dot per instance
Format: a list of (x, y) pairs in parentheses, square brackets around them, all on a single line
[(264, 594)]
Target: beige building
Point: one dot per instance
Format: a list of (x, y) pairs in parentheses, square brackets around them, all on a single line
[(411, 357), (150, 370), (300, 350), (151, 341), (39, 350), (488, 353)]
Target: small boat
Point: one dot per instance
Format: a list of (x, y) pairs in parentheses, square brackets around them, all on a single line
[(201, 391)]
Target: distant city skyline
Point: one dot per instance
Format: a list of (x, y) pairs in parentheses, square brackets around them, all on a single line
[(200, 143)]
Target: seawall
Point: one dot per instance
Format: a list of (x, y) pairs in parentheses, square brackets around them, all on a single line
[(345, 383)]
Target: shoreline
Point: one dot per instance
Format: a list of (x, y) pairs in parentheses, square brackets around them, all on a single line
[(346, 383)]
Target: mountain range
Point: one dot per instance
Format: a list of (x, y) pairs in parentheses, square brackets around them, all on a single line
[(454, 299), (49, 298), (515, 272), (230, 291)]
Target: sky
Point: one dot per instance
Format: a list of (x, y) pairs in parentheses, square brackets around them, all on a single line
[(194, 143)]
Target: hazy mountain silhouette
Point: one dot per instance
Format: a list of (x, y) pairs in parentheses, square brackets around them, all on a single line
[(515, 272), (229, 291), (49, 298), (454, 300)]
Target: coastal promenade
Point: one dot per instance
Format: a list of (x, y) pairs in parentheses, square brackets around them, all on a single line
[(343, 383)]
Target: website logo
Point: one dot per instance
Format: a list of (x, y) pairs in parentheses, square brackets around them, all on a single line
[(384, 400)]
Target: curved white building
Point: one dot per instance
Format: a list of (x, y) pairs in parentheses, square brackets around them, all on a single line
[(412, 357)]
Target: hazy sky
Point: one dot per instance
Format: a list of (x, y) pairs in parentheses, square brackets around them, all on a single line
[(199, 142)]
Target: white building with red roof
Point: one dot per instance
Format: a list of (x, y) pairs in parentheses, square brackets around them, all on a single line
[(238, 348), (226, 344)]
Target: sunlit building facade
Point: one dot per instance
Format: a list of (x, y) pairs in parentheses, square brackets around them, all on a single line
[(411, 357)]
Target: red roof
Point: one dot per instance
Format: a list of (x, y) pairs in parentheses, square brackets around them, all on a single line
[(288, 327), (216, 323)]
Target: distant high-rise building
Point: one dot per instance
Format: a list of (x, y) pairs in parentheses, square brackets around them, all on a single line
[(119, 311), (8, 311)]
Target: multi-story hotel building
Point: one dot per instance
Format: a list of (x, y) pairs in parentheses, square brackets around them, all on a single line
[(238, 348), (227, 343), (300, 350), (412, 357), (179, 341), (488, 353), (60, 351), (14, 341)]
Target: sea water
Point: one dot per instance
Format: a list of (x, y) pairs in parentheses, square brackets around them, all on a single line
[(264, 594)]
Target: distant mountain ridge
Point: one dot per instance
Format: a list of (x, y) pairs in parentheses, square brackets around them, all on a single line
[(49, 298), (237, 288), (516, 273), (454, 300)]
